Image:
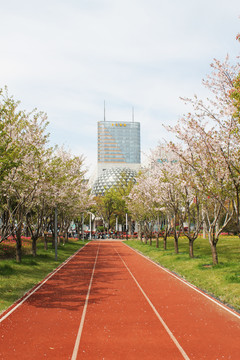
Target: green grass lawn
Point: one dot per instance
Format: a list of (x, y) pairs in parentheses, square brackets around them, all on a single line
[(16, 279), (221, 281)]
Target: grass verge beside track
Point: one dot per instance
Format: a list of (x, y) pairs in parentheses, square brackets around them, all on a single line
[(16, 279), (221, 281)]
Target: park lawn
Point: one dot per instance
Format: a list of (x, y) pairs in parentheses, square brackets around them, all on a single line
[(222, 281), (16, 279)]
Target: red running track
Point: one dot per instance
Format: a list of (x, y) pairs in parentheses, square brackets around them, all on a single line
[(108, 303)]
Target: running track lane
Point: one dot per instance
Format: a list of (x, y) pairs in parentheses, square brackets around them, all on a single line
[(45, 325), (108, 302)]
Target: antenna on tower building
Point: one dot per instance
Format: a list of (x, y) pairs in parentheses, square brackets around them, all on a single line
[(104, 112), (132, 114)]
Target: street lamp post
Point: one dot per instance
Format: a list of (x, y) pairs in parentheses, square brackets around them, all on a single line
[(116, 227), (126, 226), (90, 226), (55, 233), (82, 226)]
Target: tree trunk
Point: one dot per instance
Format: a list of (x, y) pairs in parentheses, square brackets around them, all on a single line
[(204, 225), (150, 242), (214, 253), (45, 242), (65, 234), (157, 241), (53, 235), (27, 232), (176, 245), (175, 235), (34, 246), (191, 254), (59, 238), (165, 241), (139, 232), (18, 246), (213, 244)]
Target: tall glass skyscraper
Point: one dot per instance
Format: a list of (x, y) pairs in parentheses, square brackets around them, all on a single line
[(118, 145), (119, 154)]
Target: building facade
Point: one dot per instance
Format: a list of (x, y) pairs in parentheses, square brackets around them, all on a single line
[(111, 177), (118, 145)]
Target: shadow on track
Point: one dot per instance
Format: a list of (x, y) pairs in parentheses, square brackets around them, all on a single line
[(68, 288)]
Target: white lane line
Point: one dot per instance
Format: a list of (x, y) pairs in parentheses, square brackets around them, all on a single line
[(187, 283), (156, 312), (40, 285), (77, 342)]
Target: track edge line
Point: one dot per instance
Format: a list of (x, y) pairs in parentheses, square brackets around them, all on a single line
[(173, 338), (186, 282), (36, 287)]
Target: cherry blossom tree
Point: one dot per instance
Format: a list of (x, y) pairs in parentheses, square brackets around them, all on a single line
[(210, 134), (24, 137), (11, 124), (66, 188), (35, 179), (75, 196), (143, 204), (177, 195), (22, 182)]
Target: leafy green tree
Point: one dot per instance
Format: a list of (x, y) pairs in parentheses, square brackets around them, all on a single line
[(114, 201)]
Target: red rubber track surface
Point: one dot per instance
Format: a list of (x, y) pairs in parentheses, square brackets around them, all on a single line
[(108, 302)]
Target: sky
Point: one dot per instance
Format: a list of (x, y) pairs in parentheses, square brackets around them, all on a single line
[(66, 57)]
